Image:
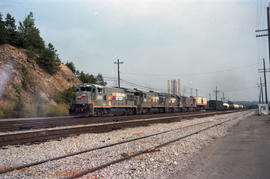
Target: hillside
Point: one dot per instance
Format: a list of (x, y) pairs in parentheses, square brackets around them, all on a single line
[(25, 88)]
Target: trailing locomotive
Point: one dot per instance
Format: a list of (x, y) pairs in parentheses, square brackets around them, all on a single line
[(97, 100)]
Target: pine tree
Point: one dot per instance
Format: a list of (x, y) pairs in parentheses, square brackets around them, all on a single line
[(12, 34), (49, 60), (3, 31), (100, 80), (30, 35), (71, 66)]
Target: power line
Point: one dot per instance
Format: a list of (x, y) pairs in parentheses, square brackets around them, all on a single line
[(193, 74)]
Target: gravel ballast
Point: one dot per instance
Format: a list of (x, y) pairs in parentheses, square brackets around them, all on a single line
[(156, 164)]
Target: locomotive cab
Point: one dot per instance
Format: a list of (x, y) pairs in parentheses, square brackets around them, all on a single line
[(83, 99)]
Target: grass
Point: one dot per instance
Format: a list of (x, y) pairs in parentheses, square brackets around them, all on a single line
[(10, 109)]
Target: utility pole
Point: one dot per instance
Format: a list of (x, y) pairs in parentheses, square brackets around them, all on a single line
[(118, 63), (261, 90), (216, 92), (223, 98), (268, 32), (265, 84), (209, 96), (260, 93), (196, 92)]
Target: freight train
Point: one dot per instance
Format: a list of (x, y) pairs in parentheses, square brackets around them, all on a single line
[(97, 100)]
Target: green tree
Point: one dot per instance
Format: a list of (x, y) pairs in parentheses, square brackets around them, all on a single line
[(3, 31), (49, 60), (29, 35), (100, 80), (87, 78), (12, 34), (71, 66)]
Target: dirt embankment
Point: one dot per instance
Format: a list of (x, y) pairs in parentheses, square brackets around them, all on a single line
[(27, 87)]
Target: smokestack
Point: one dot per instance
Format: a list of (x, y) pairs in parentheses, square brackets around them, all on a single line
[(179, 88), (175, 87), (169, 86)]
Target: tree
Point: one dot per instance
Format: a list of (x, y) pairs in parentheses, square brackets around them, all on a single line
[(100, 80), (3, 31), (71, 66), (49, 60), (30, 35), (12, 34), (89, 78)]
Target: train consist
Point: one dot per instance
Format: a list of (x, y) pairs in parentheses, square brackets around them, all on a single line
[(97, 100)]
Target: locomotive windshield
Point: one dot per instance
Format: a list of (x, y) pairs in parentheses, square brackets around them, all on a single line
[(85, 89)]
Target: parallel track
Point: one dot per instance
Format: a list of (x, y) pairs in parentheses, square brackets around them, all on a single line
[(151, 149), (54, 133), (95, 148), (154, 148), (40, 123)]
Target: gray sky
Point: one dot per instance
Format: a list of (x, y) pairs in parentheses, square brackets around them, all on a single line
[(205, 43)]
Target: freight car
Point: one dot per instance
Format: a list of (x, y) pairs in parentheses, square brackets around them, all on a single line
[(216, 105), (201, 103), (97, 100)]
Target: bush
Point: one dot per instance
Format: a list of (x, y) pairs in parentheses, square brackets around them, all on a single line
[(2, 114), (6, 108), (19, 108), (49, 60), (71, 66), (26, 77), (55, 110), (65, 96)]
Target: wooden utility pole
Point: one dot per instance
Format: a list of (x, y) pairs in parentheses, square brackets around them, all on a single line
[(265, 84), (196, 92), (261, 90), (118, 65), (216, 92)]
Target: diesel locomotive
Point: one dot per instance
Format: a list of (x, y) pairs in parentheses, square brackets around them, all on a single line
[(97, 100)]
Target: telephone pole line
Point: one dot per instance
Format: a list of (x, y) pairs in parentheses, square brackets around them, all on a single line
[(196, 92), (118, 63)]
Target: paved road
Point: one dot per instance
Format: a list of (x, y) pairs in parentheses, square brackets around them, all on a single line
[(242, 154)]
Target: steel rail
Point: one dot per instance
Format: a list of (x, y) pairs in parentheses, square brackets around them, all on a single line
[(46, 134), (140, 152), (96, 148), (41, 123)]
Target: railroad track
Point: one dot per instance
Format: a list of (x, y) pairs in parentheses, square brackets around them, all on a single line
[(43, 122), (203, 127), (22, 137)]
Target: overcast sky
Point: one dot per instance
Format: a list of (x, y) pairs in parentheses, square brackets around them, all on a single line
[(204, 43)]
